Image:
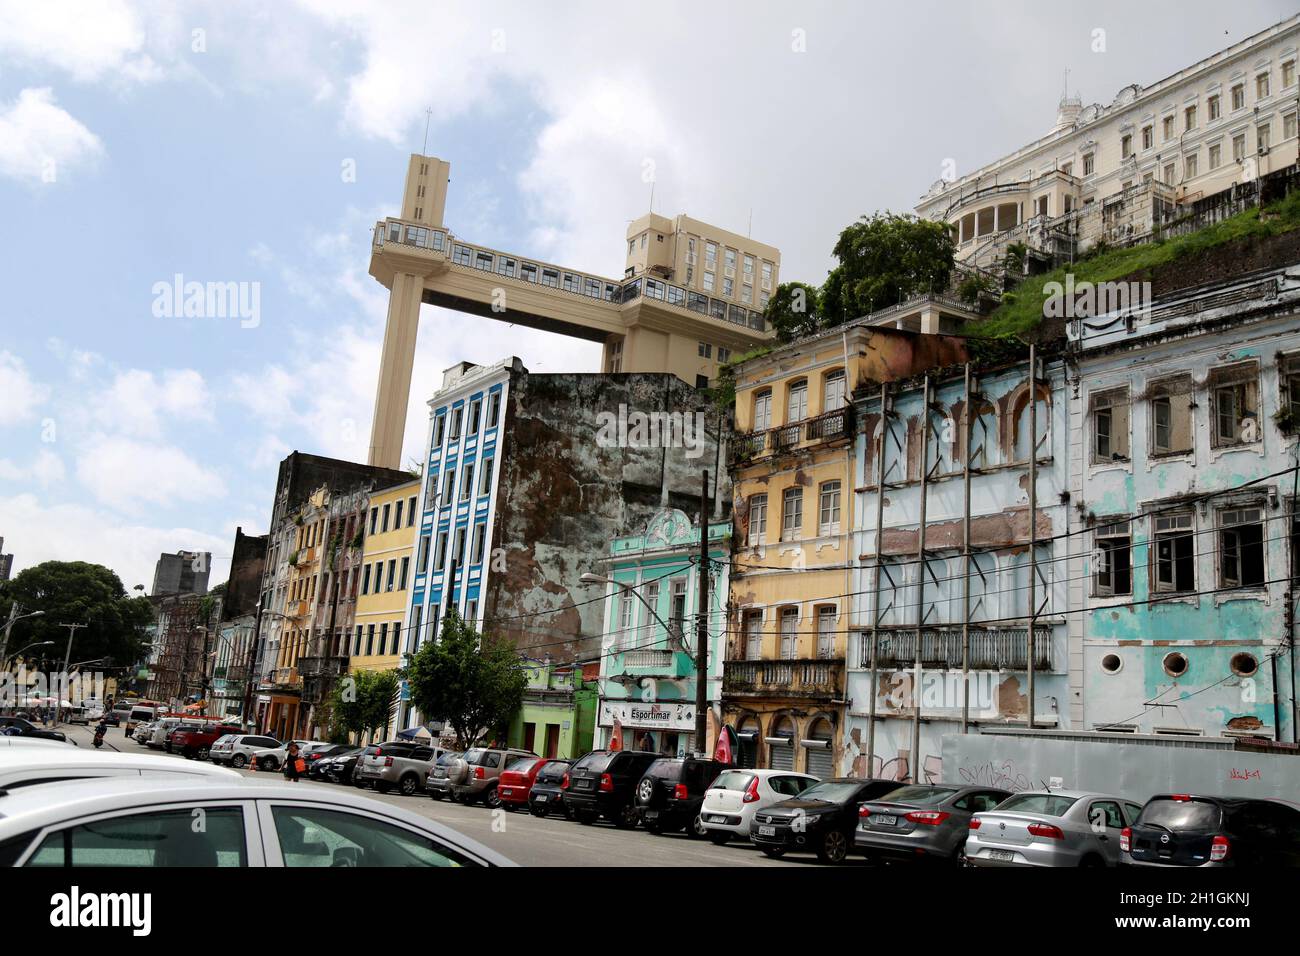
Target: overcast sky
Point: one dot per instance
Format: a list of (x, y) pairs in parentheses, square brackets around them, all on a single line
[(216, 141)]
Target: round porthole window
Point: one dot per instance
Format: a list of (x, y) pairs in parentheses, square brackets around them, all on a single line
[(1175, 664), (1112, 663), (1244, 665)]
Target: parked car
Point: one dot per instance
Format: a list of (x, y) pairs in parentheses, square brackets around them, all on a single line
[(142, 732), (139, 713), (342, 768), (922, 821), (483, 766), (736, 795), (397, 764), (547, 794), (240, 750), (439, 781), (194, 742), (134, 823), (820, 820), (22, 727), (169, 741), (318, 761), (1183, 829), (516, 781), (603, 784), (29, 766), (670, 793), (1050, 828), (162, 726)]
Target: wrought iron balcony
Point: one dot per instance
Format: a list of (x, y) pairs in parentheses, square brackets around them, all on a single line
[(806, 678), (332, 666), (745, 447), (991, 648), (830, 425)]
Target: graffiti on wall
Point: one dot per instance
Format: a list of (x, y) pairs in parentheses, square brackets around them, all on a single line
[(1001, 774), (899, 768)]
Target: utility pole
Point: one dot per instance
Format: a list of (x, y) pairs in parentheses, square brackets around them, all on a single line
[(702, 631), (250, 666), (67, 656), (1030, 649)]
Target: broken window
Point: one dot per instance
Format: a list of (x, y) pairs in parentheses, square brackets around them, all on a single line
[(1235, 392), (1174, 554), (1112, 560), (1241, 548), (1110, 426), (1171, 416)]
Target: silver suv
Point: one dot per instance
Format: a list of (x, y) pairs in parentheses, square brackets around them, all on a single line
[(474, 776), (397, 764)]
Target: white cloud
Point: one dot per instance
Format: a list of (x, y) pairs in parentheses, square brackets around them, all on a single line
[(39, 140), (138, 402), (22, 394), (131, 475), (37, 531), (45, 469), (86, 40)]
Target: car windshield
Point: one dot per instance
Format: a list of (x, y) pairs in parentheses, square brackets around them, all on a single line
[(1180, 815), (1048, 804), (732, 780), (522, 764), (555, 770), (831, 792), (596, 761), (921, 796)]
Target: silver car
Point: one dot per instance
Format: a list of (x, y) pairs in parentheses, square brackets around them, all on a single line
[(127, 822), (1051, 828), (919, 822)]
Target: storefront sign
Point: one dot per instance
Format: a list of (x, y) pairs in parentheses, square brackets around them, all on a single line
[(643, 716)]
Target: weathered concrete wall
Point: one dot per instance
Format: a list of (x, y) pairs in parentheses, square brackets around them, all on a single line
[(566, 491)]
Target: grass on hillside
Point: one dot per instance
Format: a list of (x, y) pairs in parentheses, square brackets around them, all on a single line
[(1022, 308)]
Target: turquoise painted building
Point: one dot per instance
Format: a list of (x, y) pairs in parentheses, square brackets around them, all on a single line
[(648, 666)]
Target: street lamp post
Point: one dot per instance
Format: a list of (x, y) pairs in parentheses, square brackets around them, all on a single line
[(14, 617)]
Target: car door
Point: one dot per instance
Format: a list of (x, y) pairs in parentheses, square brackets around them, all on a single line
[(1105, 822), (223, 834), (302, 834)]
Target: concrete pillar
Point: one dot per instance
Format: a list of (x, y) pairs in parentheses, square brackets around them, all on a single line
[(929, 321), (395, 365)]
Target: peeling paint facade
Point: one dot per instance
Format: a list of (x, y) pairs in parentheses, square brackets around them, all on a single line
[(1183, 434), (896, 712)]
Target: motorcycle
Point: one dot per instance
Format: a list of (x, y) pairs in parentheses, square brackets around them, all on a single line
[(99, 735)]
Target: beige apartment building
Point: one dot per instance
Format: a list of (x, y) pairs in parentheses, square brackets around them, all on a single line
[(1120, 172), (691, 296), (386, 576)]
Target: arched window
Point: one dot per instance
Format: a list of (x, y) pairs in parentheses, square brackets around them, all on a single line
[(893, 592), (983, 587), (796, 405), (762, 410), (1019, 603), (1023, 442), (983, 450), (780, 744), (939, 588), (834, 390), (820, 749), (941, 443), (891, 456)]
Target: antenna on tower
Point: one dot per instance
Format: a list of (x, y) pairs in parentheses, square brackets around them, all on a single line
[(428, 118), (652, 195), (749, 230)]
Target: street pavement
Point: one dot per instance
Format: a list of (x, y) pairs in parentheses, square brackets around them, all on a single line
[(533, 841)]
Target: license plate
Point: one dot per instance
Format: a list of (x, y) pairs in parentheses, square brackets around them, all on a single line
[(540, 798), (1002, 856), (652, 814), (767, 831), (506, 791), (886, 821), (584, 784)]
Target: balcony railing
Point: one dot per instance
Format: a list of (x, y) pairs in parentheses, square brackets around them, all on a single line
[(997, 648), (745, 447), (649, 657), (829, 425), (322, 666), (785, 678)]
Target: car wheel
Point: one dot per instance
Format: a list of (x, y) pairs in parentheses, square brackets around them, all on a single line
[(437, 794), (202, 753), (961, 859), (654, 828), (720, 837), (268, 763), (626, 818), (492, 799), (239, 761), (410, 785), (775, 852), (697, 829), (833, 847), (537, 810), (587, 818)]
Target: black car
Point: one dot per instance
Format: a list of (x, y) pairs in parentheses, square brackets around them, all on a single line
[(603, 784), (319, 763), (671, 793), (547, 795), (821, 820), (22, 727), (1182, 829)]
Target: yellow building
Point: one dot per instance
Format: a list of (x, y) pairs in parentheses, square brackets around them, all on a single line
[(387, 571), (794, 474)]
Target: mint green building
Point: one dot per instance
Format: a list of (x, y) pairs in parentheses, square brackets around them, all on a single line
[(558, 713)]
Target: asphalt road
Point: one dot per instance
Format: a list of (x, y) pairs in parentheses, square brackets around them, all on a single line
[(533, 841)]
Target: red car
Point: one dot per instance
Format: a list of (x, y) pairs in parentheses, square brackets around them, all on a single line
[(197, 742), (516, 781)]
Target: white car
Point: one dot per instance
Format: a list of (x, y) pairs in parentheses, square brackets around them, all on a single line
[(142, 732), (27, 766), (161, 728), (736, 795), (24, 742), (130, 823), (239, 750)]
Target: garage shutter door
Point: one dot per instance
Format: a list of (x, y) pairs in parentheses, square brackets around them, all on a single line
[(821, 762), (782, 755)]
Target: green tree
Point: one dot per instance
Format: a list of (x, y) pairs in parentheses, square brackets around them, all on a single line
[(76, 592), (364, 702), (793, 311), (474, 683), (885, 259)]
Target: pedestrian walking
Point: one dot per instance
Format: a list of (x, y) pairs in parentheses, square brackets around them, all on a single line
[(293, 764)]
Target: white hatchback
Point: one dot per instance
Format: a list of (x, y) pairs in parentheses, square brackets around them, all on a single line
[(733, 799), (239, 750)]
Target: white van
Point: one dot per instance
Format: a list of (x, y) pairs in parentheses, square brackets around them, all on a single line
[(139, 714)]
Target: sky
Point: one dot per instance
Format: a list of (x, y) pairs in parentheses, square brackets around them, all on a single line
[(257, 144)]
